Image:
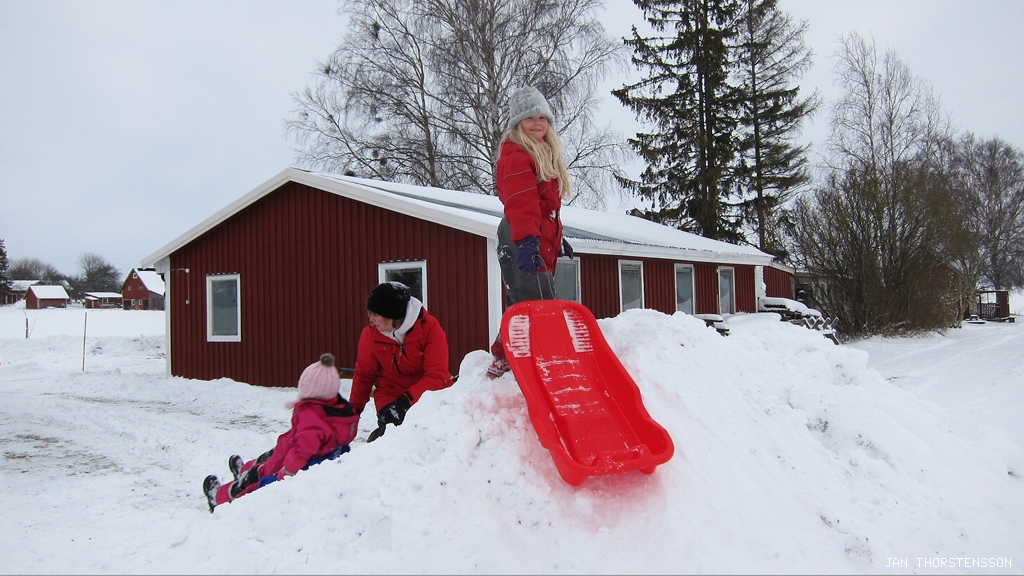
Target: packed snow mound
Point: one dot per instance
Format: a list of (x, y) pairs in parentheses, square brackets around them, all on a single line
[(791, 455), (788, 448)]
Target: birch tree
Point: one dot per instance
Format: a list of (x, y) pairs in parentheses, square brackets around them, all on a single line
[(417, 91)]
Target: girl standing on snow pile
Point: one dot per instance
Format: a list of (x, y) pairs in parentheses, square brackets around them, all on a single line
[(532, 181), (323, 424), (403, 352)]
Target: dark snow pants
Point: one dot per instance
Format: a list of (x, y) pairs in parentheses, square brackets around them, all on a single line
[(519, 286)]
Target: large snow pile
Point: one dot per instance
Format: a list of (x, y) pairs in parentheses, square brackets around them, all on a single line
[(792, 456)]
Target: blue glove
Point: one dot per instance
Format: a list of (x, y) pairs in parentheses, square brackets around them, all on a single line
[(528, 255), (566, 249)]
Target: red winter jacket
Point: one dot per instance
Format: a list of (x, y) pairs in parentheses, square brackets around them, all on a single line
[(318, 427), (532, 208), (389, 369)]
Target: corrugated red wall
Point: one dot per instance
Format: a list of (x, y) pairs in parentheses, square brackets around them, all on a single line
[(307, 259), (779, 283)]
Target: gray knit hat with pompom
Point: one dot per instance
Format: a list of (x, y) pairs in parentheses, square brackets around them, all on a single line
[(525, 102)]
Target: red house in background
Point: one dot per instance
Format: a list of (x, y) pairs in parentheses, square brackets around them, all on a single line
[(143, 289), (98, 300), (39, 297), (19, 289), (257, 290)]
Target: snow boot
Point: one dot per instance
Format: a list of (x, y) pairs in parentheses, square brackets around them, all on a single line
[(264, 457), (497, 368), (250, 477), (210, 486), (499, 364), (235, 464)]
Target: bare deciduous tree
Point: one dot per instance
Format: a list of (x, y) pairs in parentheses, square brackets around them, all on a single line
[(97, 274), (418, 90), (876, 235), (35, 269), (989, 176)]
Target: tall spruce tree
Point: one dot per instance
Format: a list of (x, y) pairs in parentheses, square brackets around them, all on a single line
[(687, 97), (770, 56), (5, 272)]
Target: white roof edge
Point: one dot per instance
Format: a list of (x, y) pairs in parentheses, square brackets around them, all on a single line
[(627, 250), (784, 267), (375, 197), (392, 201), (423, 209)]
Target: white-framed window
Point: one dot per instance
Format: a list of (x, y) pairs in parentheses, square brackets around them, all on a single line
[(726, 290), (412, 274), (567, 279), (631, 284), (684, 288), (223, 308)]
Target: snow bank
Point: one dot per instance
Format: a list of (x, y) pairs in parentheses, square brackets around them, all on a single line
[(792, 455)]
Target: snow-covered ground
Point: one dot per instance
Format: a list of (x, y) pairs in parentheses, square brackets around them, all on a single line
[(793, 455)]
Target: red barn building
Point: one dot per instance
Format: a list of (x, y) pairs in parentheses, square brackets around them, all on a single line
[(257, 290), (143, 289), (39, 297)]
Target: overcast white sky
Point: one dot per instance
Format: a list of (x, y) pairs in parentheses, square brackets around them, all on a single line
[(125, 123)]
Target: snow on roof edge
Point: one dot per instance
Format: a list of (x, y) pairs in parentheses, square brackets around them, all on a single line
[(471, 213)]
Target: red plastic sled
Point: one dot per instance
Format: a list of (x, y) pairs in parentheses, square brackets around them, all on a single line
[(583, 404)]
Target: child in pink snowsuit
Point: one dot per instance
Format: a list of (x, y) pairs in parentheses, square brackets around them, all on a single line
[(323, 424)]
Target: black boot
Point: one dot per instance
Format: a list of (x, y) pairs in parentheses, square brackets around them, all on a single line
[(248, 478), (210, 486), (235, 464), (265, 456)]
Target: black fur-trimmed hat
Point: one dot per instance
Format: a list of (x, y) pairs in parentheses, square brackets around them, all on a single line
[(389, 299)]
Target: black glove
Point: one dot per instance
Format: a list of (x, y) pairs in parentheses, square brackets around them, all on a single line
[(394, 413), (566, 249), (528, 255)]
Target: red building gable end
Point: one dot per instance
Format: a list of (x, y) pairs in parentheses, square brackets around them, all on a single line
[(143, 289), (297, 256), (306, 260), (39, 297)]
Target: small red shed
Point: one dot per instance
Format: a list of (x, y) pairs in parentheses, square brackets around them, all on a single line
[(39, 297), (281, 274)]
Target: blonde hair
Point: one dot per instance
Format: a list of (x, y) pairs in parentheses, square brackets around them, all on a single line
[(547, 155)]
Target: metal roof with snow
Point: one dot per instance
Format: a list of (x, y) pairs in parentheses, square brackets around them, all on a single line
[(590, 231), (49, 292), (151, 280)]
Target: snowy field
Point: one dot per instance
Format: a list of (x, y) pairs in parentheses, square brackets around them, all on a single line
[(793, 455)]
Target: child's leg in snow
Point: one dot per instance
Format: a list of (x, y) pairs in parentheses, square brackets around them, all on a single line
[(247, 481), (263, 457), (251, 477)]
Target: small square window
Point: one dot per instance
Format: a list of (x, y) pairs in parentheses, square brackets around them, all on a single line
[(412, 274), (223, 308)]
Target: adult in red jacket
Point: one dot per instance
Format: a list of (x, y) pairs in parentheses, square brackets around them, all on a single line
[(403, 352), (323, 424), (532, 181)]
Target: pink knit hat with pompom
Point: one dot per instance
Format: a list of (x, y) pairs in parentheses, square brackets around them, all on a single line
[(320, 380)]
